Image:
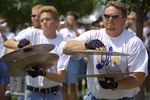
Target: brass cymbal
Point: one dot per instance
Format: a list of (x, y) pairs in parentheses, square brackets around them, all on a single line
[(99, 52), (27, 51), (109, 75), (44, 60)]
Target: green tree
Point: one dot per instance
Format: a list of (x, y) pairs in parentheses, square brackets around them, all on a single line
[(18, 11)]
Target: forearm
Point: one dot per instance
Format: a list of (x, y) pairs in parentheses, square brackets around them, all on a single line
[(57, 77), (73, 46), (133, 81), (4, 37), (76, 32), (12, 43)]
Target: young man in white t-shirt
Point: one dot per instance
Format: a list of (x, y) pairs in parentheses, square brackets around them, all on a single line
[(48, 81), (113, 38)]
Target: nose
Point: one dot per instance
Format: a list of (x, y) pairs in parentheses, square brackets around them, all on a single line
[(110, 18)]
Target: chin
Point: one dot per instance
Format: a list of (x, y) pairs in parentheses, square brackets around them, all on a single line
[(110, 27)]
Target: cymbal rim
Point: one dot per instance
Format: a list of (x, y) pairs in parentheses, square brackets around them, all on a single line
[(24, 52), (107, 75), (99, 52)]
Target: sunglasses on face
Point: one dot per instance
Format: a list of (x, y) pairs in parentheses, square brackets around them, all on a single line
[(34, 15), (2, 22), (112, 16)]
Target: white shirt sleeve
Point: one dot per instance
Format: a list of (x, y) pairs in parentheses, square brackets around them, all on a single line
[(138, 59)]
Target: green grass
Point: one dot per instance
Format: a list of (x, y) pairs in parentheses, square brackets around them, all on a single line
[(13, 97)]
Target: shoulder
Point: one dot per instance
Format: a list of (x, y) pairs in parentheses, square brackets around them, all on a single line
[(89, 35), (63, 30), (133, 42), (131, 37)]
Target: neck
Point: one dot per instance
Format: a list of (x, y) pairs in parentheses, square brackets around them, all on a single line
[(37, 27), (50, 35), (114, 33)]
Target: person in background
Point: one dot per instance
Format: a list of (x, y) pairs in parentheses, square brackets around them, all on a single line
[(99, 25), (116, 39), (4, 78), (34, 18), (82, 71), (146, 35), (71, 77), (132, 22)]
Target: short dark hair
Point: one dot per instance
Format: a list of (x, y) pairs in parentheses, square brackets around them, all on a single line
[(72, 13)]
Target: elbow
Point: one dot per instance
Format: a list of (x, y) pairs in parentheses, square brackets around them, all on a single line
[(6, 43), (140, 76), (66, 50)]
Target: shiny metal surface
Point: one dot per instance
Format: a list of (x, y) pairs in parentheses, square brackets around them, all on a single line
[(44, 60), (27, 51)]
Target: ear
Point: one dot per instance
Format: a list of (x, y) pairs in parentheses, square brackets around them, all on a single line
[(57, 22), (124, 20)]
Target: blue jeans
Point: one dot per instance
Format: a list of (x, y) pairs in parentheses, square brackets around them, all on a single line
[(30, 95)]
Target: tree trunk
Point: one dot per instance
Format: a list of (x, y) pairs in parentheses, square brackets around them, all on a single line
[(139, 32), (140, 20)]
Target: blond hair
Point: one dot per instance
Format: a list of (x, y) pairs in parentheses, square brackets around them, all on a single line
[(37, 7), (134, 14), (118, 5), (50, 9)]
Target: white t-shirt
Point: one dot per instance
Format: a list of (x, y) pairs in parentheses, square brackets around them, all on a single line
[(29, 29), (36, 37), (9, 35), (67, 34), (125, 43), (132, 31)]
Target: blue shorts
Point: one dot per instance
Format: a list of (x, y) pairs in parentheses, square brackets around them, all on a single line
[(83, 67), (72, 72), (4, 78)]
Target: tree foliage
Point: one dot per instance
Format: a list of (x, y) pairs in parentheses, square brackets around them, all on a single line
[(18, 11)]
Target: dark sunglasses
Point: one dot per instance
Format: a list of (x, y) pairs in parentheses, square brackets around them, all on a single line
[(2, 22), (34, 15), (113, 16)]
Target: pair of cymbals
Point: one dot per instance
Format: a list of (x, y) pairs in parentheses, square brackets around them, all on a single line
[(98, 52), (36, 55)]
